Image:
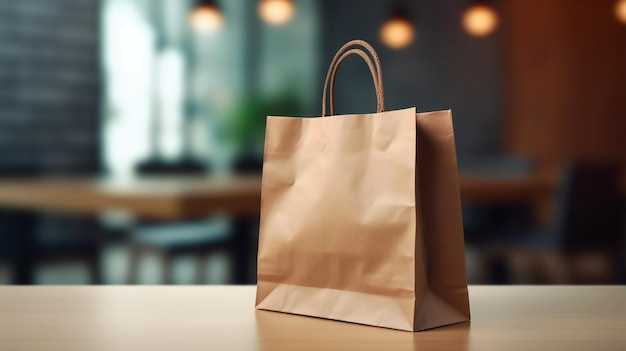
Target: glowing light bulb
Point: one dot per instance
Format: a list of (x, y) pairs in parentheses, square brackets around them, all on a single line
[(620, 11), (276, 12), (480, 20), (397, 33), (206, 19)]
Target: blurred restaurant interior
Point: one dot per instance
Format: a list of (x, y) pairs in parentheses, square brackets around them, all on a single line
[(131, 131)]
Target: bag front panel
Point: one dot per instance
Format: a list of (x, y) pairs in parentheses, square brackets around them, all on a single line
[(338, 203)]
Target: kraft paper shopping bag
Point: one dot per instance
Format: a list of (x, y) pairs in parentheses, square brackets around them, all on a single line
[(361, 215)]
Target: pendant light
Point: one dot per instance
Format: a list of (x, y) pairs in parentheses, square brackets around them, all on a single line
[(620, 11), (480, 19), (276, 12), (398, 31), (206, 17)]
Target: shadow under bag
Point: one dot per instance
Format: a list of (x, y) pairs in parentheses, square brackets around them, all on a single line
[(361, 215)]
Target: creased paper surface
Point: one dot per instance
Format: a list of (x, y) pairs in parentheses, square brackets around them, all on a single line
[(341, 219)]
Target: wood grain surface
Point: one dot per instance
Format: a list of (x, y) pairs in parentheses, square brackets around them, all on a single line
[(224, 318)]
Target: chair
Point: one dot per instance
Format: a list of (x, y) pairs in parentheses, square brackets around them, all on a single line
[(198, 238), (483, 221), (169, 241), (30, 240), (585, 234), (61, 239)]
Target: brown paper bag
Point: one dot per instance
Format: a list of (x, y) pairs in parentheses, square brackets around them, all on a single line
[(361, 216)]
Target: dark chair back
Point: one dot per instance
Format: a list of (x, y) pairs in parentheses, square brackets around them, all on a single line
[(588, 207)]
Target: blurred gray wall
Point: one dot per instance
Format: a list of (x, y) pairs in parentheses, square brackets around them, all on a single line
[(445, 68)]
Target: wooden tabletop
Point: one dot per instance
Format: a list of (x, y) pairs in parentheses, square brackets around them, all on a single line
[(224, 318), (164, 198), (180, 197)]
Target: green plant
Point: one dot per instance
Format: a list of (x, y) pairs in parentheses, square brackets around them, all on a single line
[(246, 124)]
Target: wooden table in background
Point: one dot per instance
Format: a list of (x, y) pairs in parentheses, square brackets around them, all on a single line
[(174, 198), (155, 198), (537, 191), (223, 318), (183, 198), (161, 198)]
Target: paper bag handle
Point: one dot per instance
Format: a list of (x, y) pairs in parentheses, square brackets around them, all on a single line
[(373, 71), (374, 67)]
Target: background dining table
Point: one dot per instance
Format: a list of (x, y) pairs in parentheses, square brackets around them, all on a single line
[(179, 198)]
